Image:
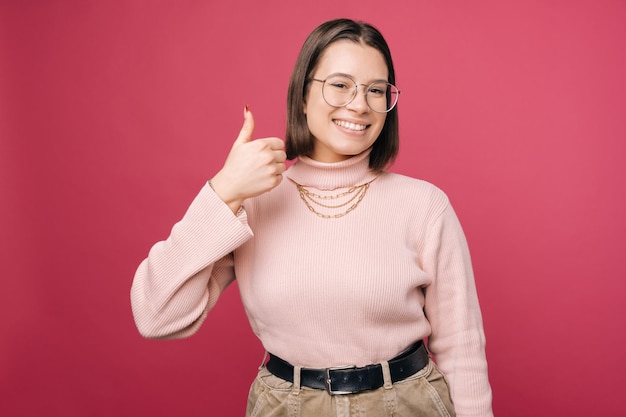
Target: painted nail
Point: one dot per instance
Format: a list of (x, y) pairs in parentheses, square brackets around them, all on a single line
[(246, 109)]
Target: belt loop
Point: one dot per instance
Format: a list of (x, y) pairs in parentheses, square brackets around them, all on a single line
[(293, 400), (296, 380), (263, 361), (386, 375), (342, 405)]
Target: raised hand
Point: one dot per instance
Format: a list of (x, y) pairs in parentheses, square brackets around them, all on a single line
[(252, 167)]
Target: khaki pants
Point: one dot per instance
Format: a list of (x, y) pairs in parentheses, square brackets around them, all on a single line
[(424, 394)]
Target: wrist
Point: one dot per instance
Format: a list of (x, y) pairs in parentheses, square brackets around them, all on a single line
[(232, 202)]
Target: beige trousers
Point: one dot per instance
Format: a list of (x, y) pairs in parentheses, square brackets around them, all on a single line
[(424, 394)]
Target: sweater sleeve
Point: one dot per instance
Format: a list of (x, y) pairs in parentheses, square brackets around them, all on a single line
[(457, 341), (182, 278)]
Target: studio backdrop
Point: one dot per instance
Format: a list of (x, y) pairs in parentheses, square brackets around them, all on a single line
[(113, 115)]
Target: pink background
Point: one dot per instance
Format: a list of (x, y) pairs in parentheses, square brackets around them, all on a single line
[(114, 113)]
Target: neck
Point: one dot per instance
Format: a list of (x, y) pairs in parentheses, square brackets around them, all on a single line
[(332, 175)]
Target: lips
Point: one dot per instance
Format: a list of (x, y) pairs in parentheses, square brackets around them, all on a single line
[(350, 126)]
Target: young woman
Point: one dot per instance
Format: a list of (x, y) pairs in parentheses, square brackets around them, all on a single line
[(344, 268)]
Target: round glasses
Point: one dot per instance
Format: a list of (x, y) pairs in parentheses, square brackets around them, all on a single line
[(339, 90)]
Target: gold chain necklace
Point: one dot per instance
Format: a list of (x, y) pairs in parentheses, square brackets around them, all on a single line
[(310, 199)]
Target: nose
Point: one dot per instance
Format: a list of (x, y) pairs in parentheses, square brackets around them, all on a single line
[(359, 102)]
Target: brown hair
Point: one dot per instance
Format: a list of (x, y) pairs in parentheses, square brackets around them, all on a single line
[(299, 140)]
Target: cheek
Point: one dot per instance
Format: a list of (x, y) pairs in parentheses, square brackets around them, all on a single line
[(380, 124), (315, 116), (313, 123)]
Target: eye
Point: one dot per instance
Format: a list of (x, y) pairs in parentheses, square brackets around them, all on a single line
[(378, 90), (340, 85)]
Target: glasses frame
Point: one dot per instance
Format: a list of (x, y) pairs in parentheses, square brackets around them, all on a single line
[(356, 91)]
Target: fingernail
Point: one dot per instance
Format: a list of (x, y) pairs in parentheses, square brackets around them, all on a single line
[(246, 109)]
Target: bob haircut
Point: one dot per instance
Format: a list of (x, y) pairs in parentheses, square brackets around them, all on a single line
[(299, 140)]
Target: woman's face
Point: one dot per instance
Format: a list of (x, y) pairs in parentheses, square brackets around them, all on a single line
[(342, 132)]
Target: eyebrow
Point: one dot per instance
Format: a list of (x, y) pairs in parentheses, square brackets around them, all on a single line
[(353, 78)]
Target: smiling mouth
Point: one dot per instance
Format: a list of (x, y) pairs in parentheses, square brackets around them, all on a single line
[(350, 126)]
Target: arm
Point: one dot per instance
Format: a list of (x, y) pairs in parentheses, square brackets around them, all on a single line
[(182, 278), (451, 305)]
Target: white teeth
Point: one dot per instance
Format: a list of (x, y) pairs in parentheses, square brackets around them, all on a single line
[(348, 125)]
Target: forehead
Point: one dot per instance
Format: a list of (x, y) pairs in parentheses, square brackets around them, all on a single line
[(361, 61)]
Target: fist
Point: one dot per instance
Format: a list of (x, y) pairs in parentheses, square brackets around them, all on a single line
[(253, 167)]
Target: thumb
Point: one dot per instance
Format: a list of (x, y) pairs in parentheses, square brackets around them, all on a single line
[(245, 135)]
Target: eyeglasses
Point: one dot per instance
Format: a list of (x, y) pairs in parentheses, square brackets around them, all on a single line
[(339, 90)]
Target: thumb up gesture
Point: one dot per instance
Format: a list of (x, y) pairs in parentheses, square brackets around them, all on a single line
[(252, 167)]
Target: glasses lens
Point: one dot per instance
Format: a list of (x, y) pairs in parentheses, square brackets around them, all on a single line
[(382, 96), (338, 91)]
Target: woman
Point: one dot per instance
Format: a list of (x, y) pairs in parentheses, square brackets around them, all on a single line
[(339, 262)]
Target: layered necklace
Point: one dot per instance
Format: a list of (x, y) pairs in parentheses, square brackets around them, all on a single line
[(333, 206)]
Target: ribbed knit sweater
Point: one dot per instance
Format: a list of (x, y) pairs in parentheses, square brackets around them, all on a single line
[(323, 292)]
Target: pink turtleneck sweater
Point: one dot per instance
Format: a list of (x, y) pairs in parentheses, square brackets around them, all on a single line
[(322, 292)]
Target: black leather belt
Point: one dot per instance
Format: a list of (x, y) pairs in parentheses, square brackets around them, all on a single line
[(350, 380)]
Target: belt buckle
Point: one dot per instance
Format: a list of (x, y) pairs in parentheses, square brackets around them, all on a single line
[(328, 384)]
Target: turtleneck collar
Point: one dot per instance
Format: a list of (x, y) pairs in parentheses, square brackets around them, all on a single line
[(332, 175)]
